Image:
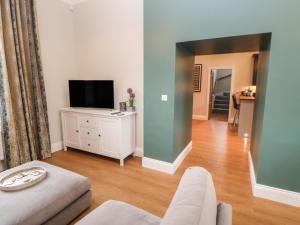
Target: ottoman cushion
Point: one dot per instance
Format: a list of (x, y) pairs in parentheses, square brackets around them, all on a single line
[(119, 213), (37, 204)]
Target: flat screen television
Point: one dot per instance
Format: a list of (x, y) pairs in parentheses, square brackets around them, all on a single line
[(92, 93)]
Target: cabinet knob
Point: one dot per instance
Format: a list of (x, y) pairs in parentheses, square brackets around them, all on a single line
[(87, 121), (89, 144), (99, 135), (88, 132), (77, 131)]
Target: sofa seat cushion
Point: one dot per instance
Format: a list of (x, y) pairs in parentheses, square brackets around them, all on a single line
[(119, 213), (194, 202), (37, 204)]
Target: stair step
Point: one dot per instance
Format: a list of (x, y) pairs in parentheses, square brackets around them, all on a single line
[(220, 110), (220, 97), (221, 101), (221, 106)]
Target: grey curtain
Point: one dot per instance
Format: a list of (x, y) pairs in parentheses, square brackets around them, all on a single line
[(24, 120)]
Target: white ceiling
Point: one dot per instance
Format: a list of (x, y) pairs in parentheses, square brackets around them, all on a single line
[(73, 2)]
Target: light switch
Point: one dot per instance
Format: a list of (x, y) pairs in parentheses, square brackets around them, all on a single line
[(164, 98)]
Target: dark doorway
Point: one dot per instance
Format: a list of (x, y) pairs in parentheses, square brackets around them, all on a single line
[(220, 89)]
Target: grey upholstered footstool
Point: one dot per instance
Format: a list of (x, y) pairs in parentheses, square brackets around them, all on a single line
[(58, 199)]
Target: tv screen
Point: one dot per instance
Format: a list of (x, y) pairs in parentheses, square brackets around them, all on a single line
[(92, 93)]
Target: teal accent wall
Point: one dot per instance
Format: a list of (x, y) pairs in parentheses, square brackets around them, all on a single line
[(183, 96), (257, 127), (159, 78), (167, 22)]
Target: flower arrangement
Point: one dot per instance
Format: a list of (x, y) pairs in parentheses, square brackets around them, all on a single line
[(131, 97)]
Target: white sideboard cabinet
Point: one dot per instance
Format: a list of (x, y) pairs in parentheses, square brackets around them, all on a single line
[(99, 132)]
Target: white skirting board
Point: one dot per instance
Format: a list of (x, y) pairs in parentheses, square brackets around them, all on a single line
[(55, 147), (139, 152), (167, 167), (272, 193), (199, 117)]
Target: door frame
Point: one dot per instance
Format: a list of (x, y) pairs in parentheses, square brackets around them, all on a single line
[(210, 68)]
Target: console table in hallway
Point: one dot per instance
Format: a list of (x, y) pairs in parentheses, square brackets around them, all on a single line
[(246, 116)]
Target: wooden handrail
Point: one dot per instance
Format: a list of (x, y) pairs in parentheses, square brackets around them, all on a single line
[(221, 78)]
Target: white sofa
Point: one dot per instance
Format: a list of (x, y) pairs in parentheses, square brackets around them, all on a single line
[(194, 203)]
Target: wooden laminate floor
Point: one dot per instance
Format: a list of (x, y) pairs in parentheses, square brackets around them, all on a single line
[(215, 147), (219, 116)]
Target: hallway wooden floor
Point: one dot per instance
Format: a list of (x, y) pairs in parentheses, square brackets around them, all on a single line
[(215, 147)]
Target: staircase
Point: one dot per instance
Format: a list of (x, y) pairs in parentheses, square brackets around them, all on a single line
[(221, 103)]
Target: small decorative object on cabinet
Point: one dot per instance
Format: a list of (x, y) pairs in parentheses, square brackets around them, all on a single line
[(99, 131), (131, 107), (123, 107)]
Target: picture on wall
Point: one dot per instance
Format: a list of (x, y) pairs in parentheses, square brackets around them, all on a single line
[(197, 77)]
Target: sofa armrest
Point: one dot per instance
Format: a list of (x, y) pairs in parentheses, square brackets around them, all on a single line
[(224, 214), (119, 213)]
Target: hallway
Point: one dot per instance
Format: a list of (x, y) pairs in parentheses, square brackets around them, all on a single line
[(219, 117), (218, 148)]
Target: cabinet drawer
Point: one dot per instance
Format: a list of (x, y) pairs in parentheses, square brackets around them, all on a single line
[(90, 145), (88, 121), (90, 133)]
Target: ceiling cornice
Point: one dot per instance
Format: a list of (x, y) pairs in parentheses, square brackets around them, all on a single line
[(73, 2)]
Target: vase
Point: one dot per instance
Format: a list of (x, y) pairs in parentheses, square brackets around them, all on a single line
[(131, 108)]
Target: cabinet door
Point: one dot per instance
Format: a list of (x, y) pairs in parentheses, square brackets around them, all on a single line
[(110, 137), (71, 129)]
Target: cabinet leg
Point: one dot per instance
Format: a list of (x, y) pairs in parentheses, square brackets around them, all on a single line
[(65, 148), (121, 162)]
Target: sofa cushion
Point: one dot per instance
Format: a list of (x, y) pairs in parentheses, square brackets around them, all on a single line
[(119, 213), (194, 202), (39, 203)]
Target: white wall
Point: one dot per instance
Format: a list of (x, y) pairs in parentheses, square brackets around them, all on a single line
[(242, 65), (109, 45), (97, 39), (58, 58)]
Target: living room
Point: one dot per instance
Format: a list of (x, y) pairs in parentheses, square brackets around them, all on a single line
[(49, 45)]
